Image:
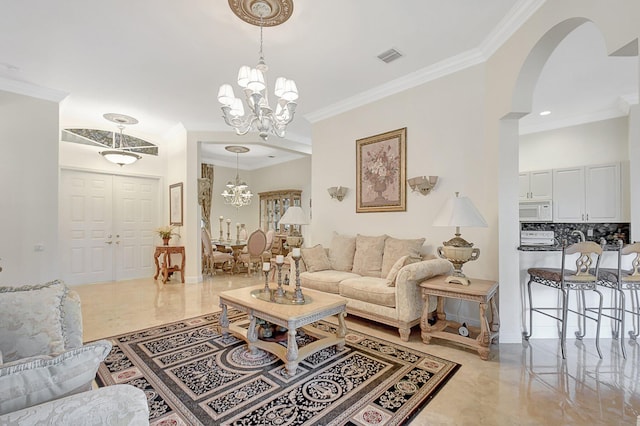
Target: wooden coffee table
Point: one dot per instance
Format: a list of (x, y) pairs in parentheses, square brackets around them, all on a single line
[(292, 317)]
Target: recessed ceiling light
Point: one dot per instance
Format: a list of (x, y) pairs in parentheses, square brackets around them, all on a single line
[(543, 113)]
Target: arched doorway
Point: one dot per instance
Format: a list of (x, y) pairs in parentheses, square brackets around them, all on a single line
[(521, 105)]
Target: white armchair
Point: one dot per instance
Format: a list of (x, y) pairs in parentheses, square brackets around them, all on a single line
[(46, 373)]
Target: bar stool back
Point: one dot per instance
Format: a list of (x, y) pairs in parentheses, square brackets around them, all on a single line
[(565, 280), (620, 281)]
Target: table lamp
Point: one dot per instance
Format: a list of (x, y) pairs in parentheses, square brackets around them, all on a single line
[(294, 215), (459, 212)]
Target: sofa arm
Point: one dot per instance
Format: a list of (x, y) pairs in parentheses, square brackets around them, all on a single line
[(111, 405), (408, 294)]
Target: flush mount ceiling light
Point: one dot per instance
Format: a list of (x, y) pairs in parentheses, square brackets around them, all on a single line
[(543, 113), (253, 81), (237, 193), (120, 154)]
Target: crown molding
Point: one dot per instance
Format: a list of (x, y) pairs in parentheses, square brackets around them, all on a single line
[(28, 89), (514, 19)]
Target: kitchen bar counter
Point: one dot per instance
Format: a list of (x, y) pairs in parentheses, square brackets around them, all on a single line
[(557, 247)]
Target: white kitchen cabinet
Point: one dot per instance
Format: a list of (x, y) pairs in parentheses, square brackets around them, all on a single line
[(536, 185), (587, 194)]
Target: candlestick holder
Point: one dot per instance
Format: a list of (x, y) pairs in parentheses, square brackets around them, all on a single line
[(221, 219), (298, 297), (229, 230), (238, 234), (266, 289), (280, 291)]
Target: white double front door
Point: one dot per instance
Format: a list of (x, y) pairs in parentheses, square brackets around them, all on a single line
[(107, 226)]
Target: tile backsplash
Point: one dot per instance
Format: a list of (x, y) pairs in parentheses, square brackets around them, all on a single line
[(592, 231)]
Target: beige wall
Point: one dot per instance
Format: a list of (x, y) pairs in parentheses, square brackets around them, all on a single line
[(29, 188)]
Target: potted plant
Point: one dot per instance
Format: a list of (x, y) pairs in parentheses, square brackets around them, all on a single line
[(165, 233)]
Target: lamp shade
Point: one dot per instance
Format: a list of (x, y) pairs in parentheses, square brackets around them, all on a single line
[(460, 211), (294, 216)]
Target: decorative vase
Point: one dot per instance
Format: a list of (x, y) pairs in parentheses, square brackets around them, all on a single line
[(166, 241), (379, 187)]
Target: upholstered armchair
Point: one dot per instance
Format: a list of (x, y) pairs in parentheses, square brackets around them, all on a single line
[(46, 373)]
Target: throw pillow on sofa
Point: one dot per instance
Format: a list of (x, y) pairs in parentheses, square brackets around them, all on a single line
[(341, 252), (30, 320), (41, 379), (400, 263), (367, 260), (315, 258), (395, 248)]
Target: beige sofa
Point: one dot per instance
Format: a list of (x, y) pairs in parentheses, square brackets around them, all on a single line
[(378, 275)]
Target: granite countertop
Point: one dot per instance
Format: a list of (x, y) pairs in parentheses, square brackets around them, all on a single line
[(558, 247)]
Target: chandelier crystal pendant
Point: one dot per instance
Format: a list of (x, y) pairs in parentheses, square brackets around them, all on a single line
[(253, 83), (120, 156), (237, 193)]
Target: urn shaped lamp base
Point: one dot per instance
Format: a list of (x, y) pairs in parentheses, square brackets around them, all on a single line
[(458, 251)]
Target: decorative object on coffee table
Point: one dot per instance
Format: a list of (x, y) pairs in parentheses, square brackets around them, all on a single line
[(297, 295), (458, 212), (279, 262), (266, 266)]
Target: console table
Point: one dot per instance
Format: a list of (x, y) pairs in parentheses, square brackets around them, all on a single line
[(480, 291), (165, 268)]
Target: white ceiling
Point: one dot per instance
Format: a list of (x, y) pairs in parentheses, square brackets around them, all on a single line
[(162, 61)]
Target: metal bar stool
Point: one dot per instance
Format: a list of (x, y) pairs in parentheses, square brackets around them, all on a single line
[(566, 280), (620, 281)]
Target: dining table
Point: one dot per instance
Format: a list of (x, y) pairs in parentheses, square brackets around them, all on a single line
[(234, 247)]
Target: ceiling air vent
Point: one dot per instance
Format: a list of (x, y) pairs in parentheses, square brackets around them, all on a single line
[(389, 56)]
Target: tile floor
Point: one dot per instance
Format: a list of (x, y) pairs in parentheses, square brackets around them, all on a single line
[(519, 385)]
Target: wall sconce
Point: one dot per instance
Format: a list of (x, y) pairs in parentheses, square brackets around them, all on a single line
[(422, 184), (337, 192)]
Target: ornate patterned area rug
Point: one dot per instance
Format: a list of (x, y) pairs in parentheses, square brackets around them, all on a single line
[(193, 375)]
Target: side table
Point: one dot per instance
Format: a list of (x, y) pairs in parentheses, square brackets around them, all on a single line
[(165, 268), (480, 291)]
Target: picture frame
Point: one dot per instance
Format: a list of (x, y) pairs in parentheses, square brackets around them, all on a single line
[(381, 172), (175, 204)]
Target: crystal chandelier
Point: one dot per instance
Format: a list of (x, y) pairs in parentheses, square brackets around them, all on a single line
[(123, 155), (237, 193), (253, 83)]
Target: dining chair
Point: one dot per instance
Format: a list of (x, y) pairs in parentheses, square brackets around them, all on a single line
[(212, 257), (255, 248), (566, 280)]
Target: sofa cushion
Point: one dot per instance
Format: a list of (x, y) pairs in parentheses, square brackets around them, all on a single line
[(39, 380), (31, 320), (315, 258), (111, 405), (400, 263), (367, 260), (326, 281), (395, 248), (370, 290), (341, 252)]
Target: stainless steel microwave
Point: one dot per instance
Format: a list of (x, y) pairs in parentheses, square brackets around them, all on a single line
[(536, 211)]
